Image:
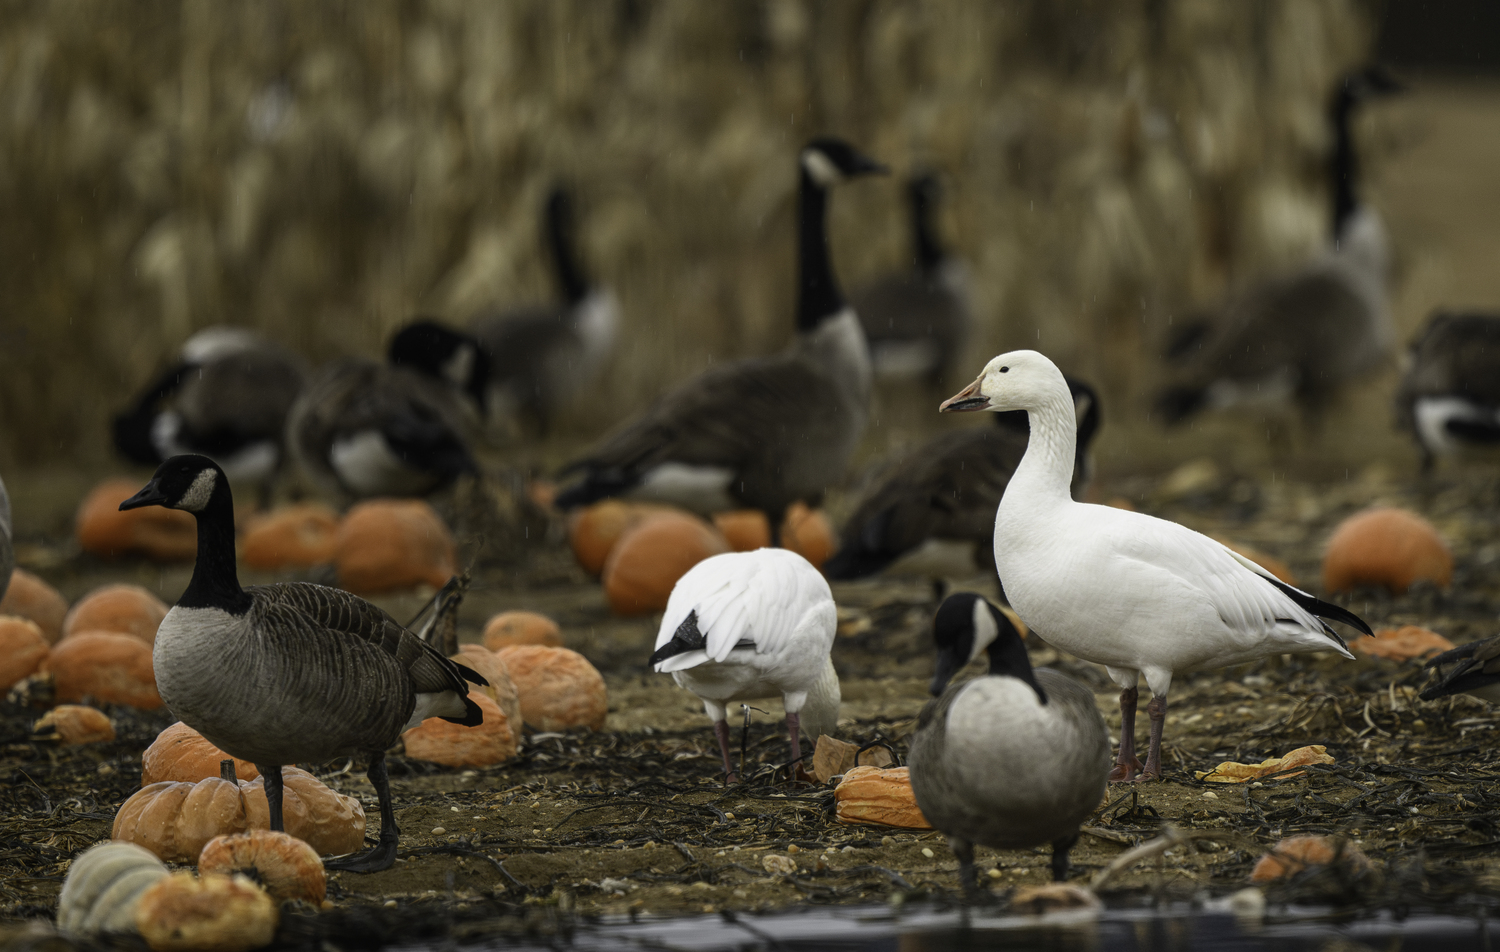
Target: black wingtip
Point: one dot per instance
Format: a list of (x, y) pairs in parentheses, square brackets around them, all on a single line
[(686, 638), (471, 675), (1322, 609)]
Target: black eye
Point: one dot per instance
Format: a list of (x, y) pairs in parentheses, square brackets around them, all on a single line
[(1005, 370)]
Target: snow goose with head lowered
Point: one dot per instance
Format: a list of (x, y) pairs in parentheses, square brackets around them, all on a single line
[(749, 625), (293, 672), (1137, 594), (1009, 761), (760, 433)]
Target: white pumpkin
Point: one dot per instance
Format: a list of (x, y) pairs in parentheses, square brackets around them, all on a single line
[(103, 886)]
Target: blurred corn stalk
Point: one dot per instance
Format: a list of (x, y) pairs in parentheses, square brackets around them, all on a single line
[(323, 171)]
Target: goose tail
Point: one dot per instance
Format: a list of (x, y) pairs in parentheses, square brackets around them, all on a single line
[(1324, 611)]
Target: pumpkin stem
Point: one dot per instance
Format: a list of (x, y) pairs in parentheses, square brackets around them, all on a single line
[(226, 771)]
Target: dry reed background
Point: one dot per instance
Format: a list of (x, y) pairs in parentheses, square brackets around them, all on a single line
[(322, 171)]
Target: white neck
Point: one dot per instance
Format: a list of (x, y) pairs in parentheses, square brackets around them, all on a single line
[(1046, 470), (838, 345), (820, 714)]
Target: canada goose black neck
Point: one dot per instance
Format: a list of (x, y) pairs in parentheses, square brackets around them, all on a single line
[(565, 265), (818, 294), (1008, 657), (1342, 165), (216, 581), (926, 247)]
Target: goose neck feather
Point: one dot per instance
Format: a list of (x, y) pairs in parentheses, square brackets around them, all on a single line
[(818, 295), (215, 582), (1046, 470)]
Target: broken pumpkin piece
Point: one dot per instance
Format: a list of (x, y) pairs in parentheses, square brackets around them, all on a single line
[(1232, 772), (833, 757), (881, 797), (1406, 643), (1294, 854)]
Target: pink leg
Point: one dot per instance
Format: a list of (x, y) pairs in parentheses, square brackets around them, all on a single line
[(1126, 764), (721, 731), (1158, 711)]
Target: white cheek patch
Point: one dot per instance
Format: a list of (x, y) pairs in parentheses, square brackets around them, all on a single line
[(198, 493), (985, 628), (821, 168)]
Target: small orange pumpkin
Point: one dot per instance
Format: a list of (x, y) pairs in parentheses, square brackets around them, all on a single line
[(521, 628), (501, 689), (30, 597), (594, 531), (1385, 546), (650, 558), (123, 609), (182, 754), (1293, 854), (167, 535), (22, 649), (804, 531), (387, 544), (454, 745), (74, 724), (104, 666), (285, 866), (881, 797), (558, 688), (180, 913), (303, 534)]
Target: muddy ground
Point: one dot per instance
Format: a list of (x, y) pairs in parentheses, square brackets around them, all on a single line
[(635, 820)]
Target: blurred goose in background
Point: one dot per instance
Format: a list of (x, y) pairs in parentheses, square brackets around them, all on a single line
[(916, 321), (933, 512), (1137, 594), (227, 397), (544, 354), (444, 354), (1450, 394), (1013, 760), (1475, 670), (765, 432), (362, 429), (7, 542), (749, 625), (1304, 335), (292, 672)]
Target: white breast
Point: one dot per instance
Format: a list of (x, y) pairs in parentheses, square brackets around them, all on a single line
[(366, 464), (702, 489)]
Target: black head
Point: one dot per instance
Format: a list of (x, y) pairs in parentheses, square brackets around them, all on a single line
[(828, 161), (188, 483), (1362, 85), (965, 625), (445, 354)]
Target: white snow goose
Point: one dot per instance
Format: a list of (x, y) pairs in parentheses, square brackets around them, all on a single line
[(1137, 594), (749, 625), (1012, 760)]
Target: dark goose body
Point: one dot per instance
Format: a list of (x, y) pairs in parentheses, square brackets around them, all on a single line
[(1449, 397)]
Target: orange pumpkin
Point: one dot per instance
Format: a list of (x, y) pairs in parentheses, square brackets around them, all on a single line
[(650, 558), (1294, 854), (558, 688), (74, 724), (287, 867), (1384, 546), (179, 913), (387, 544), (521, 628), (454, 745), (30, 597), (104, 666), (181, 753), (501, 689), (123, 609), (167, 535), (325, 819), (881, 797), (594, 531), (804, 531), (301, 535), (22, 649)]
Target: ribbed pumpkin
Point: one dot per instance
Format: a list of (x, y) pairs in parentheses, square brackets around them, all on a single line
[(650, 558), (594, 531), (558, 688), (1387, 547), (453, 745), (521, 628), (388, 544), (122, 609), (104, 666), (879, 796), (167, 535), (104, 884), (74, 724), (501, 689), (300, 535), (182, 754), (30, 597), (286, 867), (181, 913), (22, 649)]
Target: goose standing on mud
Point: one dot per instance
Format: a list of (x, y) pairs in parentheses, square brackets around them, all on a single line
[(545, 354), (1012, 760), (1306, 334), (933, 513), (292, 672), (749, 625), (227, 397), (1137, 594), (765, 432), (916, 321), (1450, 394)]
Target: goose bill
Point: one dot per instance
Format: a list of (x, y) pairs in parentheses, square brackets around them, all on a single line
[(967, 399), (150, 495)]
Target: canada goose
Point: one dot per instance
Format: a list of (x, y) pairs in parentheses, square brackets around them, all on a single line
[(749, 625), (444, 354), (1012, 760), (933, 513), (765, 432), (916, 321), (362, 429), (227, 397), (1450, 394), (1305, 334), (292, 672), (543, 354), (1137, 594), (7, 545), (1475, 670)]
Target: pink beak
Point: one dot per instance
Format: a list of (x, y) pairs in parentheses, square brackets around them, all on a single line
[(966, 400)]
